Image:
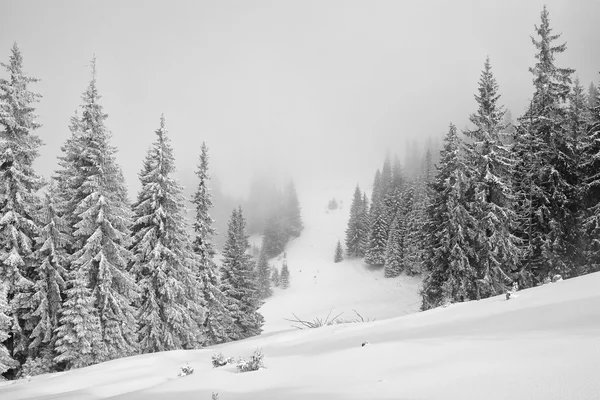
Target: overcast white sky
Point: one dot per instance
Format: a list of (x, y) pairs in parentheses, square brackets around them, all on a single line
[(297, 86)]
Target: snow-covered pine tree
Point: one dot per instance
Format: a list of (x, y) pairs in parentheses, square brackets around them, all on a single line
[(414, 203), (394, 252), (51, 274), (355, 230), (6, 361), (590, 193), (378, 234), (239, 281), (264, 276), (78, 336), (490, 164), (548, 221), (397, 174), (275, 278), (218, 320), (170, 315), (18, 202), (450, 271), (96, 207), (285, 275), (292, 211), (364, 219), (339, 253)]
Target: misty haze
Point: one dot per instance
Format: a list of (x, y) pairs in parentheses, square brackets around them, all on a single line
[(299, 199)]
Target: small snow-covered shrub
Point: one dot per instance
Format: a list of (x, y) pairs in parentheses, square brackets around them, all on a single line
[(215, 396), (36, 366), (219, 360), (253, 364), (333, 205), (328, 320), (186, 370)]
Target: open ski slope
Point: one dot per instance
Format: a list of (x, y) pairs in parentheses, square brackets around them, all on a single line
[(542, 345)]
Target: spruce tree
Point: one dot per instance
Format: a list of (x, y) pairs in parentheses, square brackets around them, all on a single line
[(239, 281), (292, 211), (394, 252), (275, 278), (6, 361), (51, 275), (356, 229), (449, 262), (218, 320), (592, 96), (364, 221), (170, 314), (547, 205), (339, 253), (490, 168), (285, 275), (79, 336), (19, 147), (92, 185), (590, 192), (378, 234), (264, 276)]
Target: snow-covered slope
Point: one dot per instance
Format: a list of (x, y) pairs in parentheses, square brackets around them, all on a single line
[(319, 286), (542, 345)]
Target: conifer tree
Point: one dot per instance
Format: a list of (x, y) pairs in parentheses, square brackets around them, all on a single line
[(292, 211), (394, 253), (218, 320), (170, 315), (592, 96), (275, 278), (79, 336), (339, 253), (548, 217), (590, 192), (6, 361), (18, 203), (378, 234), (239, 281), (285, 275), (264, 276), (50, 275), (356, 225), (365, 220), (91, 182), (449, 264), (490, 168)]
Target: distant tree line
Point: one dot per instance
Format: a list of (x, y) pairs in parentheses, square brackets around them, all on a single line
[(505, 203)]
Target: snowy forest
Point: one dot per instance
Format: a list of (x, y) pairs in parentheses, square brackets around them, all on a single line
[(88, 277), (504, 203), (89, 274)]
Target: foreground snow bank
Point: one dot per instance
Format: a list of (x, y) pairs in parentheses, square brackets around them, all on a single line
[(542, 345)]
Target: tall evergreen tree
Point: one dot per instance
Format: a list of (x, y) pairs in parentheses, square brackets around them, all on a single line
[(365, 221), (264, 276), (590, 193), (548, 215), (218, 320), (170, 315), (394, 252), (6, 361), (592, 96), (449, 265), (378, 234), (51, 274), (96, 204), (239, 281), (490, 167), (19, 147), (356, 225)]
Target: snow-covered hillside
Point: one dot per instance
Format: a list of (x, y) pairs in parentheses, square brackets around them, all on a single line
[(543, 344)]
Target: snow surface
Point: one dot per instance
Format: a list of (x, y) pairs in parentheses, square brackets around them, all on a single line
[(544, 344)]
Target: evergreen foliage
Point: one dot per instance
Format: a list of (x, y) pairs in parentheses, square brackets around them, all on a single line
[(170, 315), (449, 264), (19, 146), (91, 184), (357, 225), (339, 253), (264, 276), (239, 281), (285, 275), (218, 320)]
